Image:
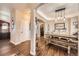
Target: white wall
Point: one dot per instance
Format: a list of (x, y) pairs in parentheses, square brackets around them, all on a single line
[(73, 29), (21, 32), (70, 28), (51, 27), (24, 29)]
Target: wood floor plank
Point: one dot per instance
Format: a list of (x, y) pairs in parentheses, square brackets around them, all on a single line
[(8, 49), (49, 50)]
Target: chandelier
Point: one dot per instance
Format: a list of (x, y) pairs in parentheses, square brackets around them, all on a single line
[(60, 14)]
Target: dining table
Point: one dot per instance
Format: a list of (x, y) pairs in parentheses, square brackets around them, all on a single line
[(70, 42)]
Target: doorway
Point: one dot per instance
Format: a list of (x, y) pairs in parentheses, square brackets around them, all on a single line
[(5, 46), (4, 30), (39, 34), (39, 28), (42, 30)]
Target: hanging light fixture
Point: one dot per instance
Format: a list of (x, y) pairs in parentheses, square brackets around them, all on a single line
[(55, 16), (58, 16), (64, 16), (60, 13)]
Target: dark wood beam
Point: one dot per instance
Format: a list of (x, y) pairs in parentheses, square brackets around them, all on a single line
[(60, 9)]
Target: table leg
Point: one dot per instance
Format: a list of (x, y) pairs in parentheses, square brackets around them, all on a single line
[(68, 50)]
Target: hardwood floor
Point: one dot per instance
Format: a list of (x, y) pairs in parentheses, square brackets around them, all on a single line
[(49, 50), (8, 49), (43, 49), (23, 49)]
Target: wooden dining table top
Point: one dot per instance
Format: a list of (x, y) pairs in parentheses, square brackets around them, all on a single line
[(63, 35)]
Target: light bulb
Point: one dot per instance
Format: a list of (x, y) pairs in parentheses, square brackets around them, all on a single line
[(58, 18), (64, 18)]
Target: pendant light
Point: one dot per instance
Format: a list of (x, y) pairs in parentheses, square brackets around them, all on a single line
[(60, 14), (64, 16), (56, 15)]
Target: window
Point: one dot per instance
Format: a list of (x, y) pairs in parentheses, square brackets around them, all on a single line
[(4, 27)]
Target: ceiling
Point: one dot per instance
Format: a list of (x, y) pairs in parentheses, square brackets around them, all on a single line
[(7, 8), (18, 5), (48, 10)]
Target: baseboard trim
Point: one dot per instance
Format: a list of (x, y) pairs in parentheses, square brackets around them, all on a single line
[(13, 42), (18, 42)]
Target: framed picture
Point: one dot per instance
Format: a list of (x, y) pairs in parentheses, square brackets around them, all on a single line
[(59, 26), (12, 24)]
